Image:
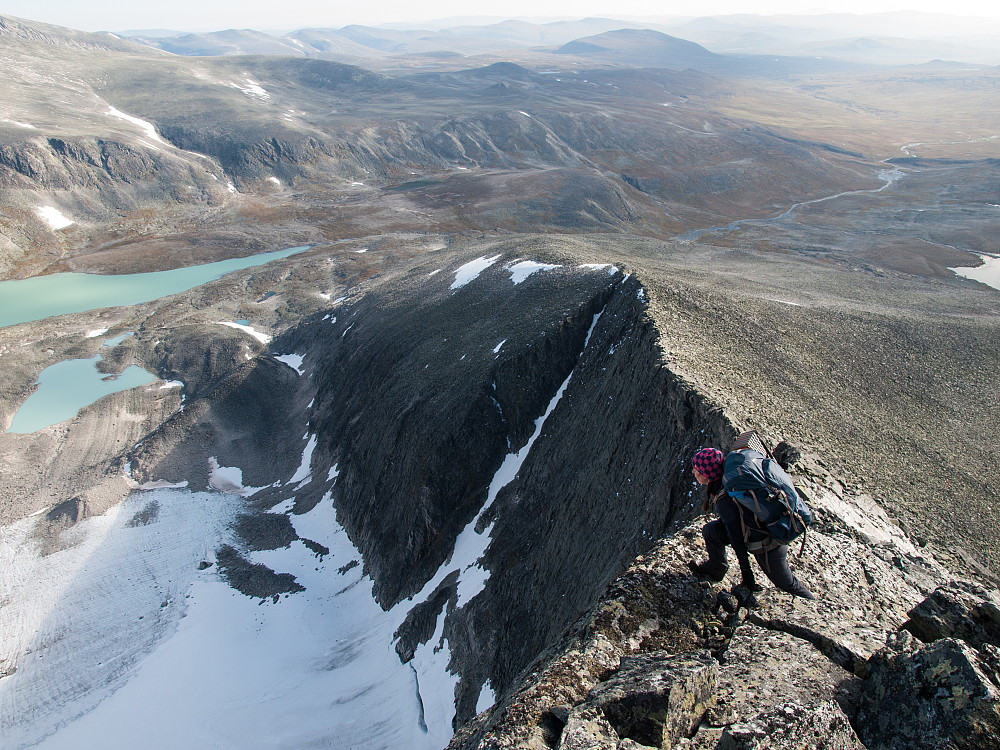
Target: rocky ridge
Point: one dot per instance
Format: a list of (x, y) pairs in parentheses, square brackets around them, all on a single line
[(893, 653), (657, 636)]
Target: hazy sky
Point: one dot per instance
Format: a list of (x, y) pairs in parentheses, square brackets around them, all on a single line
[(206, 15)]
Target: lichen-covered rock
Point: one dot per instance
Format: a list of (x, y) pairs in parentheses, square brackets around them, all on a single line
[(927, 697), (959, 609), (587, 729), (706, 738), (804, 726), (655, 699), (862, 592), (760, 666)]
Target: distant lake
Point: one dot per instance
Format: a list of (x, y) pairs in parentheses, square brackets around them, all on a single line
[(42, 297), (988, 273)]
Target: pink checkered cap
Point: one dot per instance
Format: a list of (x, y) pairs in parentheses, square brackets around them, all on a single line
[(709, 462)]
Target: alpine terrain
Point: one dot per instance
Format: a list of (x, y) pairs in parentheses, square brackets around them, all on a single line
[(351, 379)]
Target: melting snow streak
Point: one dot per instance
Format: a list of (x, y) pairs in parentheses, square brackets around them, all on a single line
[(471, 270), (146, 126)]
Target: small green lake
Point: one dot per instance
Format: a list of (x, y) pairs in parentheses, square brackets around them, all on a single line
[(66, 387)]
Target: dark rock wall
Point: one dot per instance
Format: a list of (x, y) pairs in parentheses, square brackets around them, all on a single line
[(417, 410), (607, 477)]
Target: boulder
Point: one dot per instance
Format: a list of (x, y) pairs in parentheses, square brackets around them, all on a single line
[(924, 697), (656, 698), (805, 726), (959, 609)]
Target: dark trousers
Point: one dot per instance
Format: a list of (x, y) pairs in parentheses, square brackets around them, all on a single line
[(773, 563)]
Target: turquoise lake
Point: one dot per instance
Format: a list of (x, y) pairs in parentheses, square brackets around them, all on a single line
[(66, 387), (42, 297)]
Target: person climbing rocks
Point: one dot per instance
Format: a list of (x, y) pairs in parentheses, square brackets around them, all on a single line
[(737, 526)]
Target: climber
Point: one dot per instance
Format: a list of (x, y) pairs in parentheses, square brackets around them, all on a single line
[(739, 527)]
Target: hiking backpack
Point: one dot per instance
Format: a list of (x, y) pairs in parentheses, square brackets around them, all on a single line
[(760, 484)]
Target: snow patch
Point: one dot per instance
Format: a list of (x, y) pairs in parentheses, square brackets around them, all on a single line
[(303, 475), (292, 360), (228, 479), (53, 217), (21, 124), (171, 384), (250, 330), (147, 127), (471, 270), (96, 332), (612, 270), (496, 349), (315, 669), (275, 180), (252, 89), (487, 698), (520, 271), (76, 623)]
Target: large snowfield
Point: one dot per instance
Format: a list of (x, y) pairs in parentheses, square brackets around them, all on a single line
[(121, 641)]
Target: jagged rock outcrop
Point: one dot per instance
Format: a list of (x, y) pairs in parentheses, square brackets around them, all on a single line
[(944, 693), (962, 610), (653, 699), (792, 673)]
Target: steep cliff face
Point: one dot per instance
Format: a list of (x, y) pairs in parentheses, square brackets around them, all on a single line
[(534, 417), (608, 476)]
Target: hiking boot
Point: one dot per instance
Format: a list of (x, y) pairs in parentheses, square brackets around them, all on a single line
[(704, 571), (752, 586), (745, 597)]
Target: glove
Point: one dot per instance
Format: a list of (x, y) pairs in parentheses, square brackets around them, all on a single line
[(748, 580)]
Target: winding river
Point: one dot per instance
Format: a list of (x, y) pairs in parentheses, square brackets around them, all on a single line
[(888, 177)]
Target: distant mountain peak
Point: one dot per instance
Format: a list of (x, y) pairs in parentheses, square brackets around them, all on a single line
[(643, 46)]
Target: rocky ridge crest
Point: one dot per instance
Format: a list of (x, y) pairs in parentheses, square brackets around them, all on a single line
[(893, 653)]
